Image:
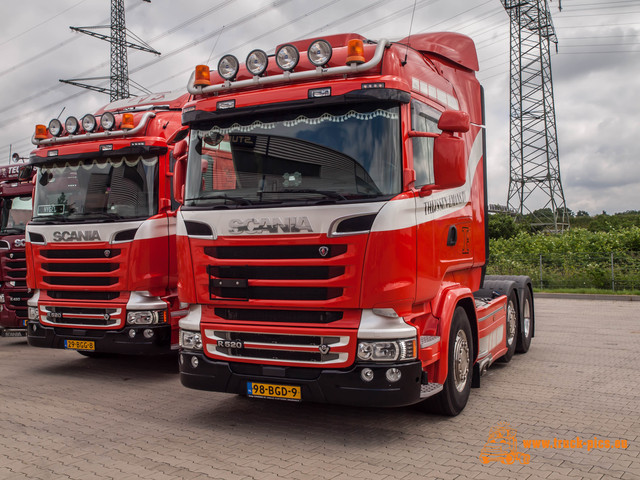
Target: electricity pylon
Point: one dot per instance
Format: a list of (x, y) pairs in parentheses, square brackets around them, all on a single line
[(534, 184), (119, 76)]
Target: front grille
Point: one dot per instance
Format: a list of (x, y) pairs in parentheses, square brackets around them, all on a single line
[(277, 272), (79, 295), (277, 347), (89, 268), (283, 316), (95, 253), (80, 281), (81, 316)]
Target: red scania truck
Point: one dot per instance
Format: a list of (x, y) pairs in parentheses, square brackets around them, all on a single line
[(332, 236), (101, 245), (15, 200)]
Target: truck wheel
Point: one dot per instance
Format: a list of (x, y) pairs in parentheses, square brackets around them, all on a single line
[(453, 398), (511, 326), (526, 330)]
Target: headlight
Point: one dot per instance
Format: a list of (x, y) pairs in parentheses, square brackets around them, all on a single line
[(107, 121), (71, 125), (145, 317), (55, 127), (10, 283), (190, 340), (228, 67), (1, 297), (387, 350), (257, 62), (32, 312), (89, 123), (287, 57)]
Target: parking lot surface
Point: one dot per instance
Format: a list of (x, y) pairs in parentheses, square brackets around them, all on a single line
[(576, 393)]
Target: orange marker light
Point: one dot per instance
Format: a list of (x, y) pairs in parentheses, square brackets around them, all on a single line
[(41, 132), (127, 121), (355, 51), (202, 76)]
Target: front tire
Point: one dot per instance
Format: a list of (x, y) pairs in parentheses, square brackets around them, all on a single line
[(453, 398)]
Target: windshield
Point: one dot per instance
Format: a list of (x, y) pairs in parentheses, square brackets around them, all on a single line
[(97, 189), (332, 154), (16, 212)]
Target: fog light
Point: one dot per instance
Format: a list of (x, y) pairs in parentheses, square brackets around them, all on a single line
[(148, 333), (393, 375), (366, 374), (194, 362), (132, 333)]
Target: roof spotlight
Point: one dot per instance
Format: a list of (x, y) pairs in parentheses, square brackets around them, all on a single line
[(319, 53), (287, 57), (257, 62), (89, 123), (55, 127), (71, 125), (107, 120), (228, 67)]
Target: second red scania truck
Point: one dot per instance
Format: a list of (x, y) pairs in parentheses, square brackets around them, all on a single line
[(101, 244), (15, 203), (332, 238)]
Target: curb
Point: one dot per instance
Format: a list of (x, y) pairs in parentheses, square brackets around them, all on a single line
[(588, 296)]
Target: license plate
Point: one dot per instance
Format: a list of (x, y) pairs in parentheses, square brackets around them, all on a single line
[(267, 390), (79, 345)]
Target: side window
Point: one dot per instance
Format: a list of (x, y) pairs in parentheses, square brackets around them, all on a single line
[(423, 119)]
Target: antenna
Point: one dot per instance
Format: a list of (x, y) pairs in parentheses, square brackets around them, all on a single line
[(119, 76), (406, 52)]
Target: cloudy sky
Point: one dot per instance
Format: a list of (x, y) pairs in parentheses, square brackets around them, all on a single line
[(596, 71)]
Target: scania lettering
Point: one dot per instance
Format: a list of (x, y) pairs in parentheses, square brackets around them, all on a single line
[(101, 244), (332, 234), (16, 191)]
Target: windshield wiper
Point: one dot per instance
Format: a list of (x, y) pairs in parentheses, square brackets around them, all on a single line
[(222, 196), (327, 193)]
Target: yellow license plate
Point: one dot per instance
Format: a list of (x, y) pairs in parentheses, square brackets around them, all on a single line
[(267, 390), (79, 345)]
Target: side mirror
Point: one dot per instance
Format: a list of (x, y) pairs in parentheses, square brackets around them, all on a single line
[(454, 121), (180, 150), (449, 163), (25, 173)]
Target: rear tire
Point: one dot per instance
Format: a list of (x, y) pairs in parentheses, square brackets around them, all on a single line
[(511, 327), (526, 324), (453, 398)]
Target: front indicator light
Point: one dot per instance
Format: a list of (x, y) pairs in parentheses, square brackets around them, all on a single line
[(319, 53), (287, 57), (257, 62), (228, 67)]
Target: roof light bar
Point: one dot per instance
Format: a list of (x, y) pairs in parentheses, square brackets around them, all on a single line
[(202, 75), (107, 121), (89, 123), (41, 132), (287, 57), (352, 68), (355, 51)]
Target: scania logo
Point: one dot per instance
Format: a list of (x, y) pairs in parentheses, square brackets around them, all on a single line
[(324, 349), (323, 251), (266, 225), (19, 242), (76, 236), (107, 316)]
